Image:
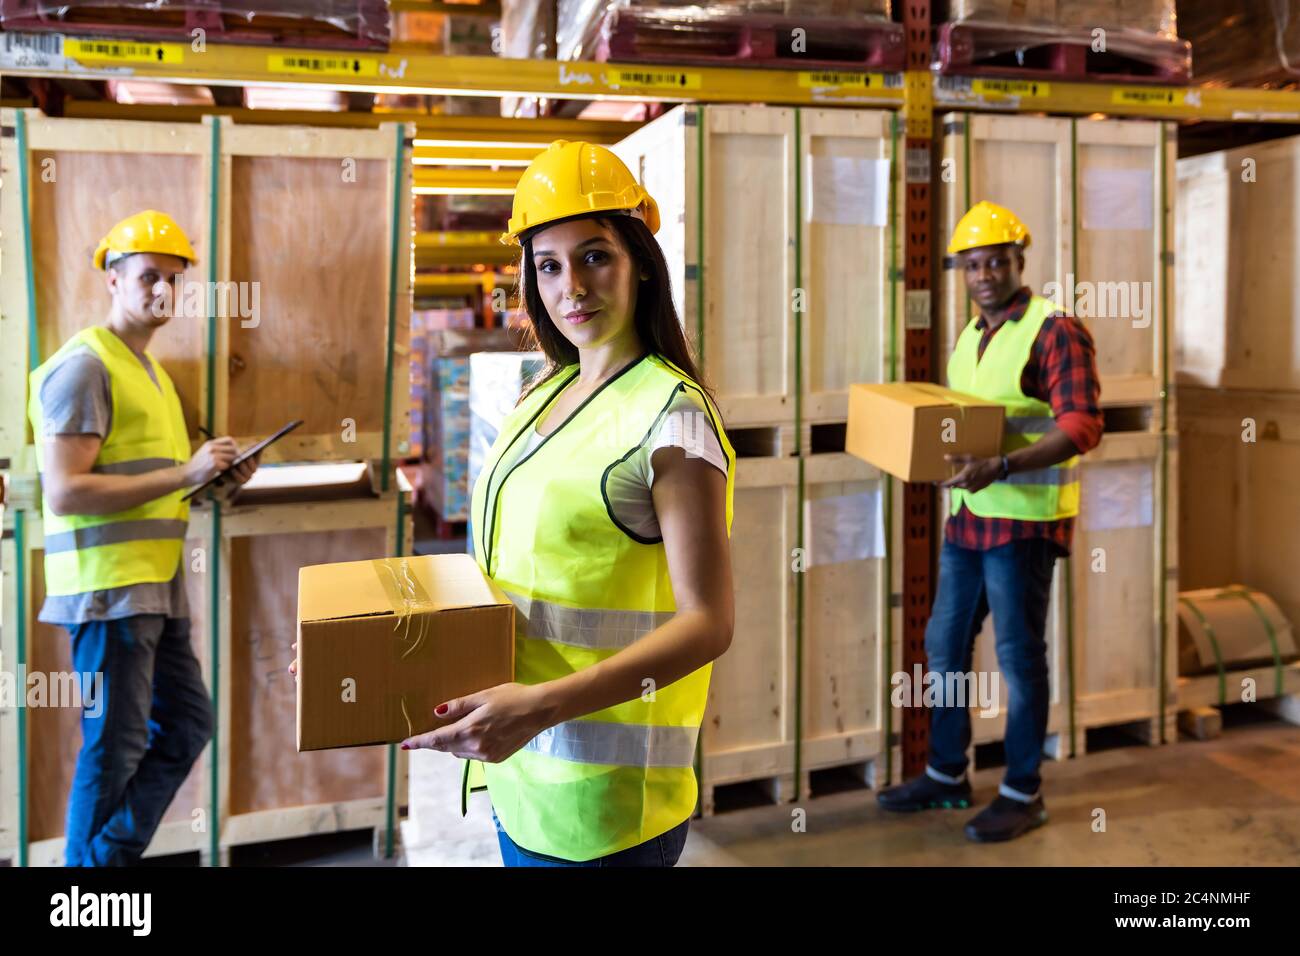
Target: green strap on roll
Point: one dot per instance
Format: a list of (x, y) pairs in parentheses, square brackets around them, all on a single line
[(24, 206), (799, 452), (1163, 588), (20, 583), (1214, 646), (1268, 629), (394, 256)]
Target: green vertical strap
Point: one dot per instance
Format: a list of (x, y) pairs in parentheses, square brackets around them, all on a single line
[(1214, 646), (24, 206), (1164, 431), (700, 133), (394, 255), (1068, 566), (886, 481), (798, 450), (214, 665), (1268, 629), (214, 207), (20, 581), (390, 802)]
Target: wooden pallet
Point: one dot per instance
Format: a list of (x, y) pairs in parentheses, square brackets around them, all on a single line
[(264, 790), (734, 264), (84, 175), (1027, 163), (657, 36), (1027, 52), (367, 26), (1200, 697)]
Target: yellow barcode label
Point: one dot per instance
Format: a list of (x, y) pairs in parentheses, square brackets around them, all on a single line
[(124, 52), (1021, 88), (322, 65), (850, 81), (658, 79), (1146, 96)]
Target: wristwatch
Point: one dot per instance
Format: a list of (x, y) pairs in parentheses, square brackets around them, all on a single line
[(1006, 468)]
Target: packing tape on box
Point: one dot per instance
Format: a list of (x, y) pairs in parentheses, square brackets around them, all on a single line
[(949, 398), (407, 597)]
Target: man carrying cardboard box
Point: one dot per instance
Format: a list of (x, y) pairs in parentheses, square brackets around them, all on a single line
[(1010, 517)]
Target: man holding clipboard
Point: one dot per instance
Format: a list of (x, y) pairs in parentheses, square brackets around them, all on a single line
[(114, 454)]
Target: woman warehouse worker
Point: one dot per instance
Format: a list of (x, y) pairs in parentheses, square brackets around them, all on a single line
[(603, 510)]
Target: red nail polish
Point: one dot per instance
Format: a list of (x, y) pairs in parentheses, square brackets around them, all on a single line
[(440, 709), (406, 746)]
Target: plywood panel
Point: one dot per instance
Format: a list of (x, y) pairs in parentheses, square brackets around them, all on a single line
[(847, 163), (1118, 173), (266, 770), (845, 606), (749, 723), (76, 197), (748, 262), (317, 248)]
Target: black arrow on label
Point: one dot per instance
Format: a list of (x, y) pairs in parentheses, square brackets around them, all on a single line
[(356, 66), (159, 54)]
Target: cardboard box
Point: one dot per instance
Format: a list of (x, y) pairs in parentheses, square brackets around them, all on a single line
[(381, 643), (905, 428)]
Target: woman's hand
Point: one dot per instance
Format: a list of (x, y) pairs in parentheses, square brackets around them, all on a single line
[(490, 725), (293, 664)]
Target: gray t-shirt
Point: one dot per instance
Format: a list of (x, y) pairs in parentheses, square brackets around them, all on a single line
[(76, 399)]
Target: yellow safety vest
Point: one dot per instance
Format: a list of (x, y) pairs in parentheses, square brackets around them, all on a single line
[(142, 544), (1043, 494), (584, 588)]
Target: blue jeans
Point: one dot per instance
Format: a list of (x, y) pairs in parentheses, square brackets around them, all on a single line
[(137, 744), (1013, 581), (662, 850)]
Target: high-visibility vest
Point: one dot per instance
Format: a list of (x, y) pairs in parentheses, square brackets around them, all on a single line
[(1043, 494), (584, 588), (147, 432)]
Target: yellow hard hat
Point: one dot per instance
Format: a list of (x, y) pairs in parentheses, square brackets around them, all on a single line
[(572, 179), (987, 224), (148, 231)]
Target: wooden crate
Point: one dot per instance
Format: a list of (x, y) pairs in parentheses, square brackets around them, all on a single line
[(1245, 526), (256, 787), (1237, 254), (1127, 526), (771, 232), (1097, 198), (748, 732), (852, 618), (318, 219)]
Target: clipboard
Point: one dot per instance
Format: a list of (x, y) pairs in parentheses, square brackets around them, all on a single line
[(243, 456)]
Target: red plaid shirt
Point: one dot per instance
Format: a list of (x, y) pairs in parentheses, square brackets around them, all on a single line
[(1061, 371)]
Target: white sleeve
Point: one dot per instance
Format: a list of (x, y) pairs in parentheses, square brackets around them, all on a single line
[(685, 425)]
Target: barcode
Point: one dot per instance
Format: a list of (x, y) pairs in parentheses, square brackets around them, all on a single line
[(51, 43), (119, 49), (320, 63), (676, 79)]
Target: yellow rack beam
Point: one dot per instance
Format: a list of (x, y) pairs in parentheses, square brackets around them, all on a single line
[(462, 283), (440, 249), (422, 72)]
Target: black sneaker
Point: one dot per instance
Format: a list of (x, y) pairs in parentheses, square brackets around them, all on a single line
[(1006, 819), (925, 793)]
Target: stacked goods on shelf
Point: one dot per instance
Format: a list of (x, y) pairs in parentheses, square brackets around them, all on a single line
[(1238, 370), (844, 34), (339, 24), (445, 482), (787, 301), (423, 323), (1059, 39), (1097, 199), (527, 33), (262, 206), (250, 785), (1243, 44)]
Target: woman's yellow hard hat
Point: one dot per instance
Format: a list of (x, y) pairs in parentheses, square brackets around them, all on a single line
[(148, 231), (573, 179), (987, 224)]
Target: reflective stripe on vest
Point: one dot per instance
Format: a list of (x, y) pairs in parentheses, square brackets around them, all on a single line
[(585, 589), (595, 628), (1044, 494), (93, 536), (601, 742), (147, 431)]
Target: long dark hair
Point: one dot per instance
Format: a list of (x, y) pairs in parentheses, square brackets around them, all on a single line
[(657, 324)]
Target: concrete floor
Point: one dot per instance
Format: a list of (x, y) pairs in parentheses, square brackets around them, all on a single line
[(1233, 801)]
